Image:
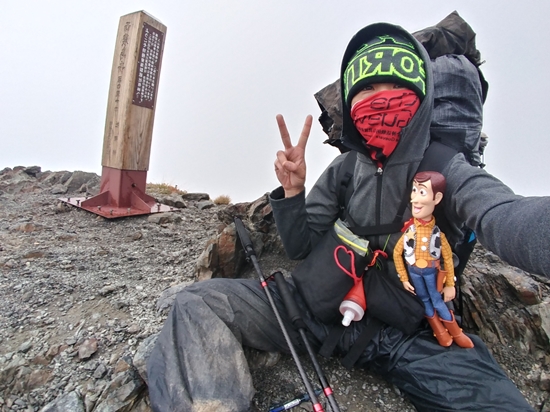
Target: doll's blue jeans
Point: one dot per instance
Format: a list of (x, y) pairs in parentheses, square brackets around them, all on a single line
[(425, 285)]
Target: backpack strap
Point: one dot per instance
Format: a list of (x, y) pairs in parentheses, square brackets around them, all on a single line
[(337, 331), (372, 328), (344, 178), (436, 157), (332, 339), (463, 252)]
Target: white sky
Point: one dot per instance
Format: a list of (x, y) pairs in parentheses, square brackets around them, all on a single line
[(230, 66)]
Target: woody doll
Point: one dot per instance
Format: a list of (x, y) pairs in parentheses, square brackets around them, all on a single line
[(417, 256)]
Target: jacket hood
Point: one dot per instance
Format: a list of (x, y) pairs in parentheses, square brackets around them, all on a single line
[(416, 136)]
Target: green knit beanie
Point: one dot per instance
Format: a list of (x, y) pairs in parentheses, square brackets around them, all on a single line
[(385, 59)]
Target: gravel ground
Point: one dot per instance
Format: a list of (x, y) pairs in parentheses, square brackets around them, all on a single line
[(70, 278)]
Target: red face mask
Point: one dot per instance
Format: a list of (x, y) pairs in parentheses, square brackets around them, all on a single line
[(379, 119)]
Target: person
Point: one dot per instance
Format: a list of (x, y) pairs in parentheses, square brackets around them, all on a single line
[(418, 254), (198, 362)]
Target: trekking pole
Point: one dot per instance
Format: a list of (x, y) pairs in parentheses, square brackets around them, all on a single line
[(298, 322), (251, 255)]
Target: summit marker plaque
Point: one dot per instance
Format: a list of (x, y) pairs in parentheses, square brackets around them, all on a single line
[(131, 106), (133, 92)]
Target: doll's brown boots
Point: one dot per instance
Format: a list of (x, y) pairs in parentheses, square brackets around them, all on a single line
[(446, 332), (440, 333), (456, 333)]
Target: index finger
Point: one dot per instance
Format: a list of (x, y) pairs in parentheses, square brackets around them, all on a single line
[(285, 137), (305, 132)]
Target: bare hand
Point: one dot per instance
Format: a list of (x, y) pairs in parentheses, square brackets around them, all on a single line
[(290, 164), (409, 287), (449, 293)]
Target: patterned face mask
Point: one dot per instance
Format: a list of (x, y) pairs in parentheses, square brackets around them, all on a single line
[(379, 119)]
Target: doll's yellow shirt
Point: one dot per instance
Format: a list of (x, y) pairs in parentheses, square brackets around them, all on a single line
[(422, 251)]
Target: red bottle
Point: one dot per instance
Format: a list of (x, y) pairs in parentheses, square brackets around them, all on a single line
[(354, 304)]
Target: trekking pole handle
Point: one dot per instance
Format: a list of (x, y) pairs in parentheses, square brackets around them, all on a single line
[(245, 238), (288, 300)]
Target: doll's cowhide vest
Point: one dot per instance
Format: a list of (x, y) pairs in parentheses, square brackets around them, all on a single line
[(409, 240)]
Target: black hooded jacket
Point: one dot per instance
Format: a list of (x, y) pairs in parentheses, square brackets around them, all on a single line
[(514, 227)]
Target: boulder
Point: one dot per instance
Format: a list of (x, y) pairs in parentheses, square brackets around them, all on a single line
[(506, 306), (122, 393), (223, 254), (69, 402), (195, 196)]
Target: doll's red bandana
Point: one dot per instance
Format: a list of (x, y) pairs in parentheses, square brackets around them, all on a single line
[(379, 119)]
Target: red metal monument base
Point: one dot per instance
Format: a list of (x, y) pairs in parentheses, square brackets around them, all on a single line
[(122, 193)]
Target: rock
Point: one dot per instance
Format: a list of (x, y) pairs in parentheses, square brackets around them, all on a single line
[(525, 288), (222, 256), (38, 378), (11, 264), (106, 290), (123, 364), (142, 355), (499, 306), (25, 347), (40, 360), (173, 200), (195, 196), (56, 178), (10, 372), (91, 187), (541, 318), (71, 340), (100, 371), (77, 180), (34, 254), (228, 213), (259, 359), (544, 382), (62, 207), (17, 181), (164, 218), (207, 261), (90, 401), (142, 405), (58, 190), (122, 393), (27, 296), (205, 204), (28, 228), (70, 402), (87, 349), (32, 171), (228, 257), (261, 214), (136, 236)]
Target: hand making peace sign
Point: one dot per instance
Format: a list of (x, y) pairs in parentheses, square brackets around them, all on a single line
[(290, 164)]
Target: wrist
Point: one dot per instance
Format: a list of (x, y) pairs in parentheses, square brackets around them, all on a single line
[(294, 192)]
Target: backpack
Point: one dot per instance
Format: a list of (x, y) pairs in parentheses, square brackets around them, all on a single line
[(459, 93), (451, 36)]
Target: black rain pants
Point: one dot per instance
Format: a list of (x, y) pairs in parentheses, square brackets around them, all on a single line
[(198, 363)]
